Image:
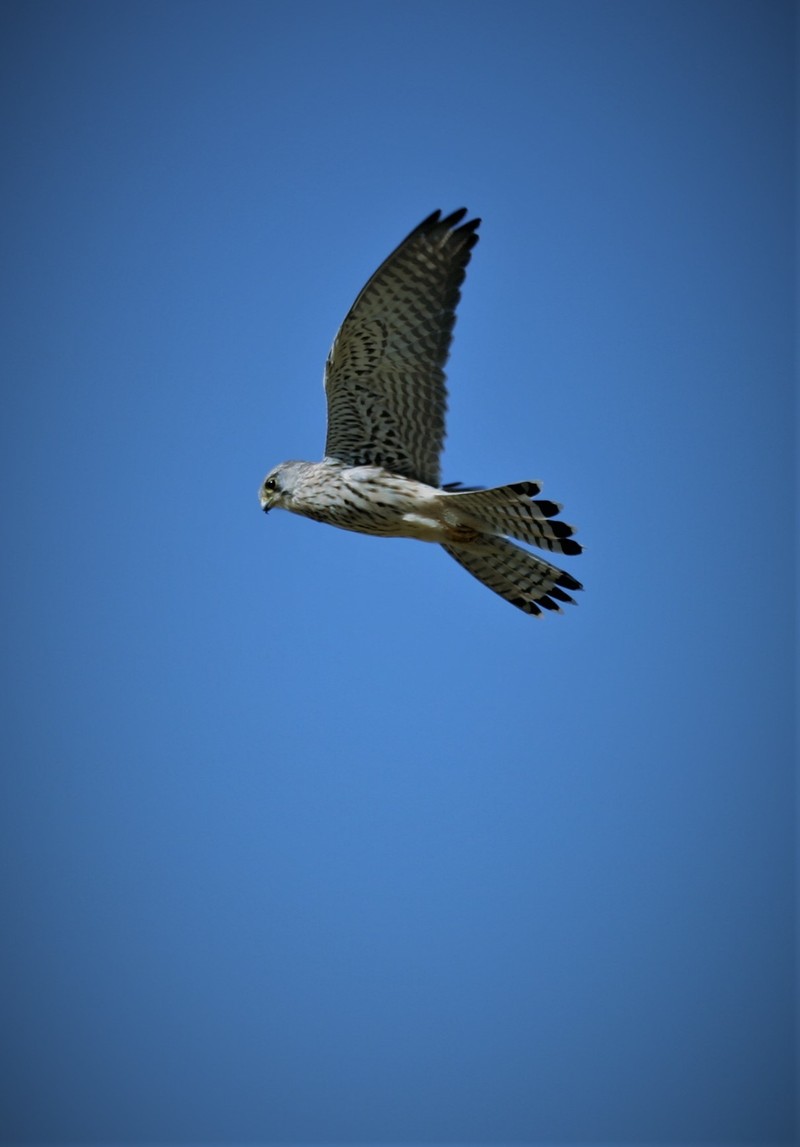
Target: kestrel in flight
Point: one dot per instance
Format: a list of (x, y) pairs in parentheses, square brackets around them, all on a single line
[(385, 385)]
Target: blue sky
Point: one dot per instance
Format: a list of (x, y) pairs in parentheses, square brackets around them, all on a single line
[(307, 836)]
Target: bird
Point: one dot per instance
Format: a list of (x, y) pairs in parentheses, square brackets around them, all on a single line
[(386, 395)]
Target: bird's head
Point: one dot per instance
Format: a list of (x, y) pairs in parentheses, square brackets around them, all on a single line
[(277, 487)]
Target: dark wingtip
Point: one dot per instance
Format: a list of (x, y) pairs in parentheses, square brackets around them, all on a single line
[(454, 217), (548, 603), (460, 488), (451, 223), (430, 220), (571, 547), (560, 595)]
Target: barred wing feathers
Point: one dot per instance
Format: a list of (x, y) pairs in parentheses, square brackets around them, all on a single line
[(384, 377)]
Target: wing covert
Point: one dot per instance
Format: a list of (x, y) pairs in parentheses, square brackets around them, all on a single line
[(384, 377)]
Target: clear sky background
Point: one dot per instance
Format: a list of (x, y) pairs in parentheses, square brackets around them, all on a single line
[(308, 836)]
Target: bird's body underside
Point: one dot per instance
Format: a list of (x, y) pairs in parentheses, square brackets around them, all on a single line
[(384, 380)]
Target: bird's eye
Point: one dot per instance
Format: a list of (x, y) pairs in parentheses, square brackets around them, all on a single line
[(270, 484)]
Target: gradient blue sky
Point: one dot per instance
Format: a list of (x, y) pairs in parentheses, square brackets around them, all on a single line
[(307, 836)]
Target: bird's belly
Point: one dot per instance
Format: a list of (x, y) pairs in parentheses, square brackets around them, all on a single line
[(423, 527), (369, 500), (387, 524)]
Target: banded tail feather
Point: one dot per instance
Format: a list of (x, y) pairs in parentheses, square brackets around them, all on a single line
[(524, 580), (515, 511)]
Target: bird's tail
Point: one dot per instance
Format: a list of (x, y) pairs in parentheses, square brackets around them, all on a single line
[(528, 582), (514, 510)]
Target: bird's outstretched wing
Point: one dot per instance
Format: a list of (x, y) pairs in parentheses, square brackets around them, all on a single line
[(384, 377)]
